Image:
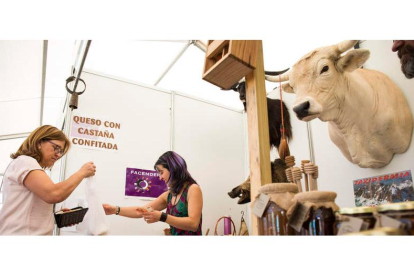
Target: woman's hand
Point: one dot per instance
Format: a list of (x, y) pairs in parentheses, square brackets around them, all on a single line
[(88, 169), (109, 209), (141, 211), (67, 210), (151, 217)]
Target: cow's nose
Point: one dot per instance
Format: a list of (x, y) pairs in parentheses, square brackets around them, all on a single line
[(302, 110)]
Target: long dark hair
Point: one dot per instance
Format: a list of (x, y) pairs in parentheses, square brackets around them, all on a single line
[(177, 167)]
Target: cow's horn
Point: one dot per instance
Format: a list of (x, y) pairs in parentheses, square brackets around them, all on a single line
[(346, 45), (283, 77)]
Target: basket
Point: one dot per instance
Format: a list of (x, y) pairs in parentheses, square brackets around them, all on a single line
[(74, 216), (234, 227)]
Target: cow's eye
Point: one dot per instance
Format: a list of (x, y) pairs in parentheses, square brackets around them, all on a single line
[(325, 69)]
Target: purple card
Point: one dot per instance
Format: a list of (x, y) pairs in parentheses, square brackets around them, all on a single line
[(143, 183)]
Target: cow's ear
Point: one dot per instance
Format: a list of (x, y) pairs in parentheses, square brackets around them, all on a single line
[(353, 60), (287, 88)]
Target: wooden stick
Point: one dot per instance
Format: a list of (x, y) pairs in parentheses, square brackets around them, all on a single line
[(306, 182), (290, 161), (316, 175), (297, 175), (305, 175), (311, 183), (299, 185), (289, 174), (311, 169)]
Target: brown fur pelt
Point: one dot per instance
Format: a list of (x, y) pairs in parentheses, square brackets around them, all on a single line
[(243, 190), (278, 171), (274, 114)]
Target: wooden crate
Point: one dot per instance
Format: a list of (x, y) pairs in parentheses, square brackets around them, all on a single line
[(228, 61)]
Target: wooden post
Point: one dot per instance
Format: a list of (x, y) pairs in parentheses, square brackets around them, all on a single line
[(258, 132)]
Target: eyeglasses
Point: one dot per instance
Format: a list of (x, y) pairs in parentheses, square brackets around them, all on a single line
[(57, 148)]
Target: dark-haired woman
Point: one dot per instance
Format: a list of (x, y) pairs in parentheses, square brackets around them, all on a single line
[(183, 201), (29, 194)]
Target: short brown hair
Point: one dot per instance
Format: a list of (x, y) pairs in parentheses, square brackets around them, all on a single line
[(44, 133)]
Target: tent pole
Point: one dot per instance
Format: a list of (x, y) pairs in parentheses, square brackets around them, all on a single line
[(88, 44), (200, 45), (172, 121), (173, 62), (14, 136), (44, 65), (66, 121)]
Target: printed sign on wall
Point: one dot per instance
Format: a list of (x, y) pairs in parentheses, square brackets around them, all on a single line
[(382, 189), (143, 183), (94, 133)]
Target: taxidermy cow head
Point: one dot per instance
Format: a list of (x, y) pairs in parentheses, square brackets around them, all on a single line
[(368, 117)]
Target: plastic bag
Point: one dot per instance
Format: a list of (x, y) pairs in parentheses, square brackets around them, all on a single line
[(95, 219)]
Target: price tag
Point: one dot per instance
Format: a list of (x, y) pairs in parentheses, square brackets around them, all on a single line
[(351, 225), (298, 217), (260, 205), (385, 221), (365, 226)]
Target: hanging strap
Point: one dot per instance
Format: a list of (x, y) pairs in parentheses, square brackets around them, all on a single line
[(281, 108)]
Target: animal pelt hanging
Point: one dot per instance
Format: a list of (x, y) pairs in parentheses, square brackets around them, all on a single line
[(242, 191), (283, 147), (274, 114)]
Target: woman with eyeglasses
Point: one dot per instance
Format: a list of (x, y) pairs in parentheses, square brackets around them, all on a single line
[(183, 201), (29, 194)]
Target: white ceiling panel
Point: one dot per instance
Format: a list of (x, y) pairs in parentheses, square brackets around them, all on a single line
[(59, 61), (21, 69), (54, 110), (19, 116), (140, 61), (186, 76)]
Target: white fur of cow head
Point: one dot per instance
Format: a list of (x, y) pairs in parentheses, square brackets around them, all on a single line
[(319, 82)]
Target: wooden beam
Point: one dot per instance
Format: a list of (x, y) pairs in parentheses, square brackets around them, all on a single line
[(258, 132)]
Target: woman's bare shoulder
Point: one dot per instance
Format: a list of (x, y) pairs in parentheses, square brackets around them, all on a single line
[(194, 187)]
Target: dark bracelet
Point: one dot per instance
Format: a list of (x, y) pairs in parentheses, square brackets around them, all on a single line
[(163, 217), (118, 209)]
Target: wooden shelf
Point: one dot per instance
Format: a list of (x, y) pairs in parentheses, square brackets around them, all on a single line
[(228, 61)]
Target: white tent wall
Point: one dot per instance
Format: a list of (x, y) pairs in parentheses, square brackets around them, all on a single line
[(211, 138), (21, 74), (144, 115), (21, 81), (336, 173), (204, 136)]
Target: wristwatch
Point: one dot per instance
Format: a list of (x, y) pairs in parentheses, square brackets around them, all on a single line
[(118, 209), (163, 217)]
